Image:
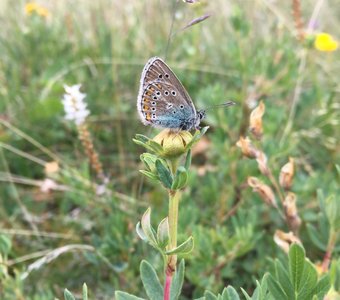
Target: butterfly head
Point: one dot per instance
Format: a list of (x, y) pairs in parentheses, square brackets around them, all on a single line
[(199, 118)]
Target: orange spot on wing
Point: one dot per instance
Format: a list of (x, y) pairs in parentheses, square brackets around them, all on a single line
[(145, 107), (148, 116)]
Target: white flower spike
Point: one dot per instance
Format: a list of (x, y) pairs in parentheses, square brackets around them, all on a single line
[(74, 105)]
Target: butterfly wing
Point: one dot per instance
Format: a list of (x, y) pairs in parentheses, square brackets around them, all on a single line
[(162, 100)]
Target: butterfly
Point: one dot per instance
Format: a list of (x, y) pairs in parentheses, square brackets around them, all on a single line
[(163, 101)]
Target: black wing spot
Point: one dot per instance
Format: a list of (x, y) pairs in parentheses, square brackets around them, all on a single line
[(160, 76), (153, 102), (158, 93), (153, 108), (167, 76), (181, 106), (166, 93), (173, 93)]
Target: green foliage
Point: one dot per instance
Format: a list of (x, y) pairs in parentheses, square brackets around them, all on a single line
[(233, 55), (300, 281)]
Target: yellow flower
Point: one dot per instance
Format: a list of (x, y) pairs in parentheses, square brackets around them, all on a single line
[(32, 7), (325, 42)]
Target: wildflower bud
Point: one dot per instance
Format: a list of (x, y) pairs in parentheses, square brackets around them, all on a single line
[(284, 240), (255, 121), (264, 191), (262, 163), (286, 174), (292, 216), (247, 147), (174, 143)]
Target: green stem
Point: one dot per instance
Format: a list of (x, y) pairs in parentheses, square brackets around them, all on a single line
[(174, 196), (173, 222)]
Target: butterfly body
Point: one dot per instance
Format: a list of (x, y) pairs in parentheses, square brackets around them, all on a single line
[(163, 101)]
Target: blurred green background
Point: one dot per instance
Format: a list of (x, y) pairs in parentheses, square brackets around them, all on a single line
[(246, 51)]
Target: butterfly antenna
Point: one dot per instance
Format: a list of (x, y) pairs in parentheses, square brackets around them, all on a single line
[(225, 104), (171, 29)]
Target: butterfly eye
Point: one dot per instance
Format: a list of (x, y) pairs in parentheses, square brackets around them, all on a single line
[(181, 106), (166, 75), (166, 93), (173, 93)]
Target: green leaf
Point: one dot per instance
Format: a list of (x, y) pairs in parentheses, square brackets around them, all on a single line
[(188, 160), (308, 283), (163, 174), (247, 296), (275, 289), (163, 234), (296, 264), (177, 281), (322, 287), (5, 245), (147, 228), (141, 138), (150, 281), (230, 293), (209, 296), (149, 161), (184, 248), (150, 175), (140, 232), (68, 295), (85, 294), (316, 237), (125, 296), (180, 179), (283, 278)]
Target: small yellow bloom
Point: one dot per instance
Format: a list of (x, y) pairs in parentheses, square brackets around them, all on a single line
[(325, 42), (33, 7)]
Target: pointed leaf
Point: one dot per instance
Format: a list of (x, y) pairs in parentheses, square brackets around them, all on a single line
[(68, 295), (246, 294), (150, 281), (125, 296), (184, 248), (322, 287), (309, 281), (315, 237), (209, 296), (163, 233), (147, 228), (188, 160), (150, 175), (283, 278), (296, 264), (140, 232), (275, 289), (230, 293), (177, 281), (85, 294), (180, 178), (164, 174)]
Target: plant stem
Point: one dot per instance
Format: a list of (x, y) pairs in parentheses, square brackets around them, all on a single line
[(330, 247), (174, 197)]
